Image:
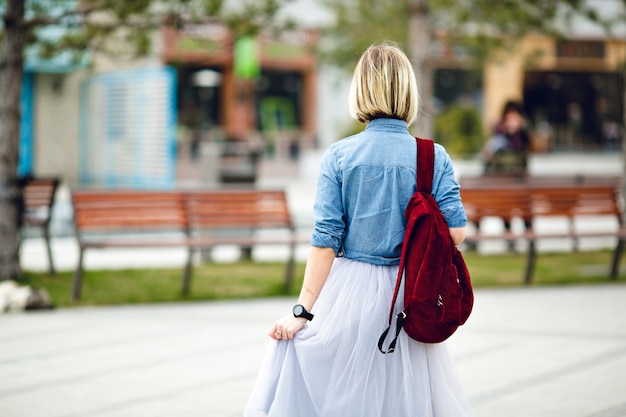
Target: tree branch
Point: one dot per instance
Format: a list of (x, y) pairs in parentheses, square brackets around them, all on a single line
[(60, 19)]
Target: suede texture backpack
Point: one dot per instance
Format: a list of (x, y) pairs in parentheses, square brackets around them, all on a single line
[(438, 294)]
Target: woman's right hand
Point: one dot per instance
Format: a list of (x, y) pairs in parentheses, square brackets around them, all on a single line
[(286, 328)]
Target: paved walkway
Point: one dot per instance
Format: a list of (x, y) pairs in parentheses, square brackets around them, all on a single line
[(540, 352), (530, 352)]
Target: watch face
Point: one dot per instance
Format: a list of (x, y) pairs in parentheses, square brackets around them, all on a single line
[(297, 310)]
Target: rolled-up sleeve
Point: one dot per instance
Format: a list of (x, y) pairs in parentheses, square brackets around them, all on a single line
[(328, 209), (446, 190)]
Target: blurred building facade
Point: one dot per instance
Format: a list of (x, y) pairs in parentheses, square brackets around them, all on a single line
[(117, 122), (252, 97), (572, 91), (571, 87), (128, 123)]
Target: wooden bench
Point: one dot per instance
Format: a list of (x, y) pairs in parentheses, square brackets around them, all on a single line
[(576, 202), (38, 197), (506, 203), (190, 219), (533, 199), (126, 219), (243, 218)]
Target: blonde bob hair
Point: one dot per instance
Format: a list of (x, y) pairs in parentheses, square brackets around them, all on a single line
[(384, 85)]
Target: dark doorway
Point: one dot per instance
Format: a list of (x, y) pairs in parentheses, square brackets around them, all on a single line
[(457, 86), (279, 96), (199, 91), (579, 110)]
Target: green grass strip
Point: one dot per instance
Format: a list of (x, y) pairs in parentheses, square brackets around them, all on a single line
[(248, 279)]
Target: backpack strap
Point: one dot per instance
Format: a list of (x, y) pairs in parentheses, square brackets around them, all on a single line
[(424, 173), (425, 168)]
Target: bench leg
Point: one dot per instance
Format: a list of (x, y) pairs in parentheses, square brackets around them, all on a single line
[(246, 253), (617, 257), (46, 235), (473, 245), (575, 240), (187, 273), (289, 268), (510, 243), (78, 277), (530, 262)]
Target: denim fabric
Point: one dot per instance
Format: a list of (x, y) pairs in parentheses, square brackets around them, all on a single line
[(365, 184)]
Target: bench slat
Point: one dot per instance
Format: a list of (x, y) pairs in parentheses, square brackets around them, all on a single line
[(530, 198), (203, 219), (128, 210), (252, 209)]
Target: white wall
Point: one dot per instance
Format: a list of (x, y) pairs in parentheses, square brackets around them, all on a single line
[(57, 113), (56, 125), (333, 117)]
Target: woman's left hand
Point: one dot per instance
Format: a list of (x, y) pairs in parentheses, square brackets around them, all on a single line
[(286, 328)]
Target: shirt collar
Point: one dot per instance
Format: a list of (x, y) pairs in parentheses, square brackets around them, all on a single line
[(388, 124)]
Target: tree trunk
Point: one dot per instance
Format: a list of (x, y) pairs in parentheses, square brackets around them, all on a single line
[(419, 51), (11, 67)]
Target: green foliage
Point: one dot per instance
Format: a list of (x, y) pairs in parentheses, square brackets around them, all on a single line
[(213, 7), (480, 26), (358, 24), (459, 129), (124, 28)]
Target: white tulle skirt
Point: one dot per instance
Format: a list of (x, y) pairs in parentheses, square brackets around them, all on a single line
[(333, 367)]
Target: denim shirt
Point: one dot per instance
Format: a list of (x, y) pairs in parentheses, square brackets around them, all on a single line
[(364, 186)]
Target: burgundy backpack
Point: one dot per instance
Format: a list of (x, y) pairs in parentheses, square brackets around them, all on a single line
[(438, 295)]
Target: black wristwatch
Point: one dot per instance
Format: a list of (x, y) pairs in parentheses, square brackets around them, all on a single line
[(300, 311)]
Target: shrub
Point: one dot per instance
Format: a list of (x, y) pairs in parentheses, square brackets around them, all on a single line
[(459, 129)]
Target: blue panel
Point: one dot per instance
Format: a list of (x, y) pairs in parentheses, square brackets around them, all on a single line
[(173, 121), (128, 129), (25, 163)]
